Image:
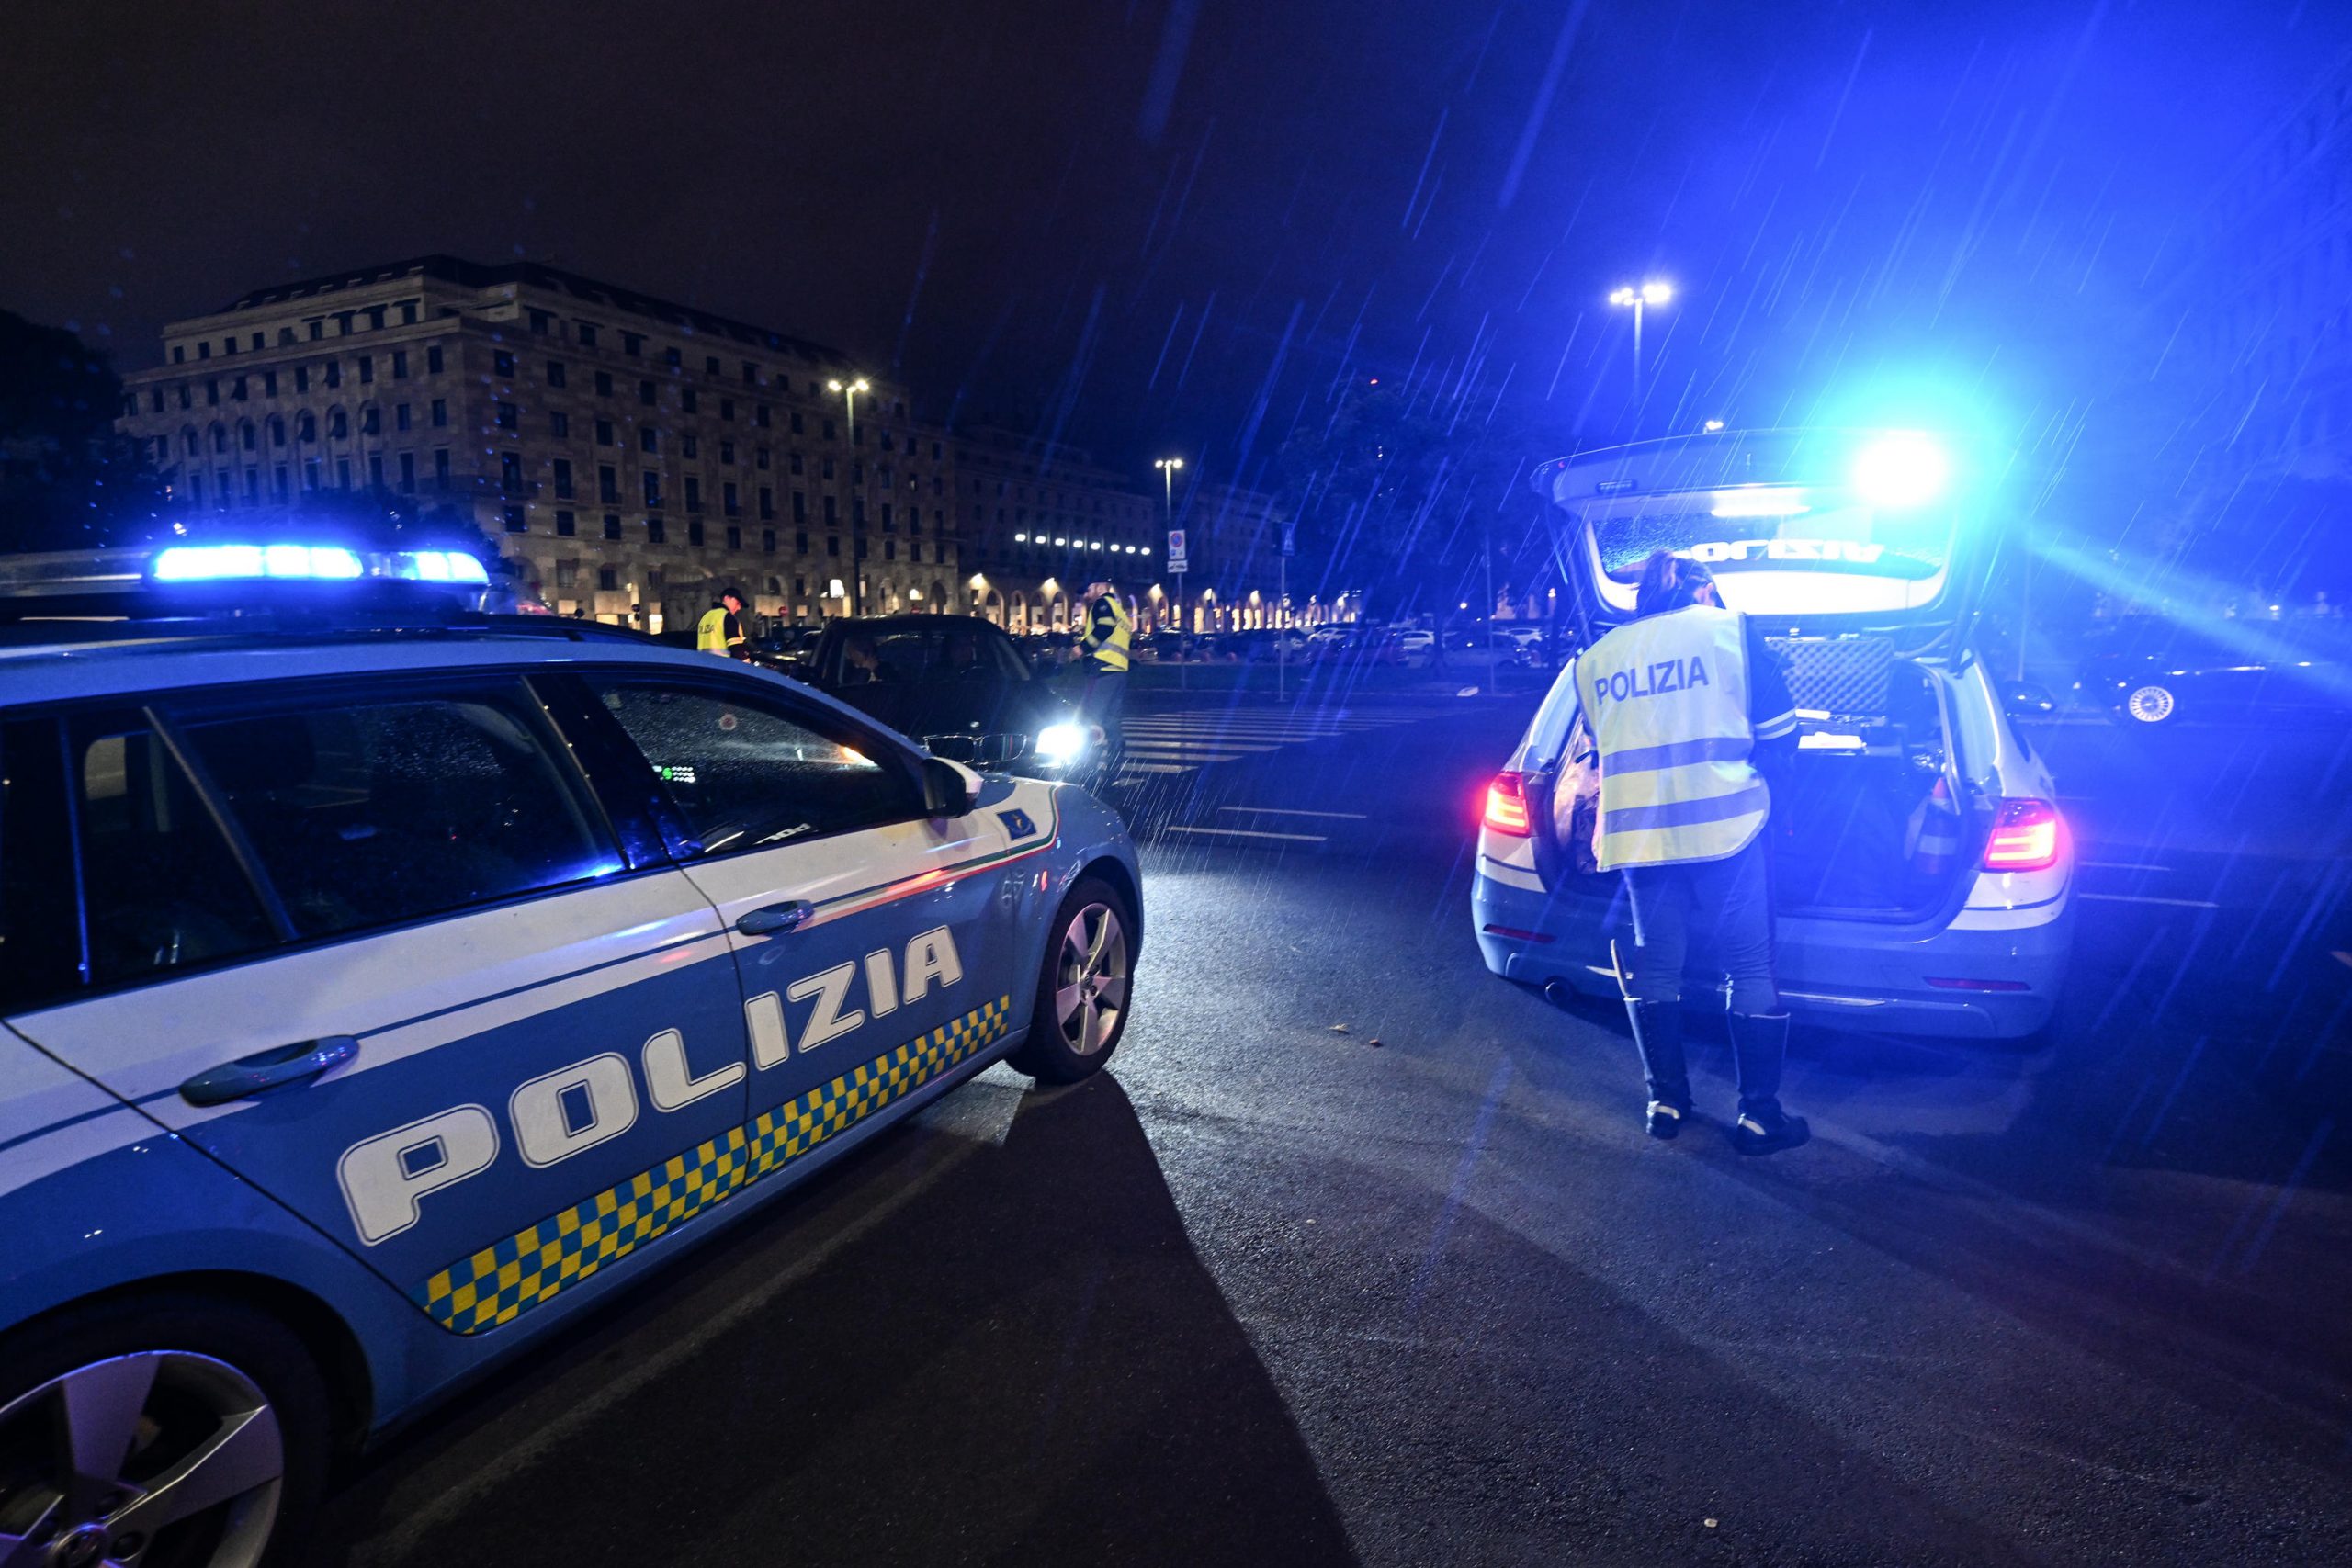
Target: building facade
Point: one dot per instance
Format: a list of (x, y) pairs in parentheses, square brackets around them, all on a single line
[(628, 456)]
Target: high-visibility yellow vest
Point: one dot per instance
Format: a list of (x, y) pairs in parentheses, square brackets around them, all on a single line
[(1108, 630), (710, 632), (1666, 700)]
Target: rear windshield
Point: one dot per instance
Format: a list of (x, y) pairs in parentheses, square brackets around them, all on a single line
[(1772, 528), (901, 655)]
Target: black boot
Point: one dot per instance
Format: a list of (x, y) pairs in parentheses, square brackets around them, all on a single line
[(1658, 1030), (1759, 1043)]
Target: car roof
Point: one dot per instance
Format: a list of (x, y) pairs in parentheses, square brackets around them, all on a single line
[(165, 657)]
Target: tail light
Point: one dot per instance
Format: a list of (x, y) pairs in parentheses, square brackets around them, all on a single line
[(2025, 837), (1507, 805)]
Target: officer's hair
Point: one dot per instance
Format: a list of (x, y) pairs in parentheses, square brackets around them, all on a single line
[(1669, 583)]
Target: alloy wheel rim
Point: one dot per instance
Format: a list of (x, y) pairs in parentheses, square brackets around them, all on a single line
[(1091, 978), (2149, 703), (134, 1462)]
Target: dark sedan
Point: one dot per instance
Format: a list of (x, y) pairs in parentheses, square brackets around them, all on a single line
[(962, 687), (2163, 672)]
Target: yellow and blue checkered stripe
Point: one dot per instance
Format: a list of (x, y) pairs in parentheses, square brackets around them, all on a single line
[(501, 1283)]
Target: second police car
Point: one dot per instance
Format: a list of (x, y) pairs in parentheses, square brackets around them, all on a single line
[(378, 999)]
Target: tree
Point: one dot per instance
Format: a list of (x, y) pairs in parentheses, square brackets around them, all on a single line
[(67, 480)]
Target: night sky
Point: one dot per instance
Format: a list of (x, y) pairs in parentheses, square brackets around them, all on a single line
[(1170, 225)]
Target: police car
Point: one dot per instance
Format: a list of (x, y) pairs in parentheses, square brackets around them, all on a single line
[(1923, 876), (382, 989)]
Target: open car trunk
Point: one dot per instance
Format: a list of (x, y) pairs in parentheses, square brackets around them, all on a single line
[(1868, 820)]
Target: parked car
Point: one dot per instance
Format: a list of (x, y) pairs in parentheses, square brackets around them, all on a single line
[(960, 686), (782, 649), (1923, 876), (376, 1004), (2159, 671)]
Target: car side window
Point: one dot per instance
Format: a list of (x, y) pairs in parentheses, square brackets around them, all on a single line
[(747, 770), (162, 887), (371, 810), (40, 936)]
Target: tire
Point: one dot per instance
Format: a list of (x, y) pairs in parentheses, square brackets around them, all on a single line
[(1071, 1032), (2151, 705), (200, 1390)]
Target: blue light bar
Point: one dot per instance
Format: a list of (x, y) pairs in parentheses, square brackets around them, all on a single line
[(213, 563), (439, 566), (1902, 469), (1761, 501)]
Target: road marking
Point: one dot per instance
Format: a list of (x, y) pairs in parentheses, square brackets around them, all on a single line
[(1236, 747), (2136, 898), (2119, 865), (1249, 833), (1291, 811), (1153, 768)]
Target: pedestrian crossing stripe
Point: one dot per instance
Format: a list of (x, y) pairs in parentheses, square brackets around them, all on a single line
[(532, 1267), (1159, 744)]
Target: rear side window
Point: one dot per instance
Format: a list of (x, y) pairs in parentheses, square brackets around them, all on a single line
[(370, 810), (40, 934), (162, 888), (747, 772)]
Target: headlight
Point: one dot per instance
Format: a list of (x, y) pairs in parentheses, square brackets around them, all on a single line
[(1060, 742)]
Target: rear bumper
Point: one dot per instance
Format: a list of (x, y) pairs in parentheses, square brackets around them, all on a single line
[(1842, 973)]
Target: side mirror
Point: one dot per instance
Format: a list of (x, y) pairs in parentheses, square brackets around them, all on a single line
[(2024, 699), (946, 788)]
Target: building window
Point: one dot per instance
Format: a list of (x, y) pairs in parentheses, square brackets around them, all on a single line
[(501, 363), (889, 549), (560, 425), (301, 383), (306, 426), (562, 468), (767, 505), (516, 523), (204, 349), (694, 493), (656, 531), (833, 544), (673, 357), (248, 437), (796, 422), (726, 410), (277, 431), (829, 430), (688, 399), (603, 383), (727, 451), (338, 425), (440, 413), (371, 421), (400, 416), (366, 368), (608, 577), (652, 489), (734, 538), (433, 360), (760, 459), (375, 470), (441, 466), (646, 394), (612, 525), (832, 514), (801, 544), (565, 527), (710, 365), (586, 334), (179, 354), (648, 440), (726, 501), (268, 386), (555, 372), (540, 324), (609, 485), (694, 531), (800, 506), (760, 416), (280, 482), (212, 391), (342, 473), (799, 464), (408, 472), (690, 445), (767, 541), (399, 365), (509, 416), (510, 473), (632, 345)]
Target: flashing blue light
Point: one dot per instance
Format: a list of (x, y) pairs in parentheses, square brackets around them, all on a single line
[(439, 566), (1902, 469), (1761, 501), (212, 563)]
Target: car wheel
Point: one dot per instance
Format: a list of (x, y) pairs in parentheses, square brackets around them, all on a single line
[(171, 1431), (1083, 987), (2152, 704)]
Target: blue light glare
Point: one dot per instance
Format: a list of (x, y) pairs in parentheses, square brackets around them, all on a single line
[(439, 566), (1761, 501), (1902, 469), (203, 563)]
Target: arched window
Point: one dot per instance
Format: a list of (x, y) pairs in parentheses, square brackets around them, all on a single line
[(338, 425), (187, 439), (219, 437), (306, 426), (277, 430), (247, 437)]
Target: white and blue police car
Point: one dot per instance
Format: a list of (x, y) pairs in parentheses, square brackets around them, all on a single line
[(383, 985)]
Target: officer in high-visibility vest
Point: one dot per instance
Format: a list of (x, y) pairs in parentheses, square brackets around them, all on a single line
[(1102, 658), (1684, 702), (720, 631)]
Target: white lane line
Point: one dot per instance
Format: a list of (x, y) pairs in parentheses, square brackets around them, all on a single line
[(1291, 811), (2136, 898), (1134, 741), (1126, 768), (2119, 865), (1186, 756), (1249, 833)]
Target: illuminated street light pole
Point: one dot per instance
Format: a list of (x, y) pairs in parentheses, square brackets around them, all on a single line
[(1646, 294), (850, 392), (1168, 467)]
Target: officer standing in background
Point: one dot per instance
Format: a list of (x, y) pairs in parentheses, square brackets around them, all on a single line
[(1103, 656), (720, 631), (1691, 713)]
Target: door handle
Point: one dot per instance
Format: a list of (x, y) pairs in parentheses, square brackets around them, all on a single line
[(770, 918), (268, 1070)]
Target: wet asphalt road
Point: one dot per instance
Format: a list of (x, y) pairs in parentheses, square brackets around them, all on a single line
[(1357, 1254)]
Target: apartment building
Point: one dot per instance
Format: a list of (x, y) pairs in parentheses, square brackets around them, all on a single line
[(630, 456)]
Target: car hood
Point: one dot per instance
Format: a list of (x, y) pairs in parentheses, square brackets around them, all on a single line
[(970, 707)]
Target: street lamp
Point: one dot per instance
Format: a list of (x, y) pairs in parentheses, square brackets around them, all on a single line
[(849, 394), (1168, 467), (1646, 294)]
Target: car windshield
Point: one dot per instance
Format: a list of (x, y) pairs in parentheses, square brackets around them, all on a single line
[(893, 655)]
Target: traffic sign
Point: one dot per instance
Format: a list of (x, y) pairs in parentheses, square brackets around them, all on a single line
[(1290, 538), (1175, 550)]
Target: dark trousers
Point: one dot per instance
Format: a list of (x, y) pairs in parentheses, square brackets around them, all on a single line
[(1102, 698), (1726, 905)]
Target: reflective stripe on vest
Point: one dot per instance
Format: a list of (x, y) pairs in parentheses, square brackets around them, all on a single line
[(1666, 700), (1108, 644), (710, 632)]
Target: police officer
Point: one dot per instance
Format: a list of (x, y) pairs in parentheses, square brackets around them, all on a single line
[(720, 631), (1102, 657), (1691, 713)]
